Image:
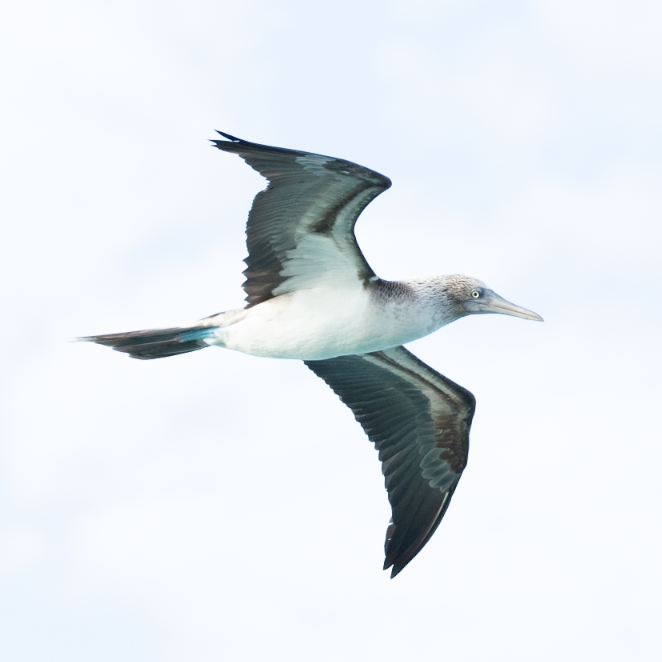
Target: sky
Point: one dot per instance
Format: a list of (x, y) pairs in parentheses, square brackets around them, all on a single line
[(216, 506)]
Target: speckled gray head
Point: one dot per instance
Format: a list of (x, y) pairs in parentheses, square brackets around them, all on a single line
[(475, 298)]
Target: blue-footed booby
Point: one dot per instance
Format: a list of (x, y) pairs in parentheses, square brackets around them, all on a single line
[(311, 295)]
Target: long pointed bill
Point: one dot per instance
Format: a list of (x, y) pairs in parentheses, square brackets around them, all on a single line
[(493, 303)]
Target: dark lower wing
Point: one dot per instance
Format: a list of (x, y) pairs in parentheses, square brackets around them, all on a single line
[(419, 422)]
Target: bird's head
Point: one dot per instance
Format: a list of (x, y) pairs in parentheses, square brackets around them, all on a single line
[(470, 296)]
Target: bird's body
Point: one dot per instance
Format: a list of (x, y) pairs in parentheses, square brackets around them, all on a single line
[(312, 296), (328, 321)]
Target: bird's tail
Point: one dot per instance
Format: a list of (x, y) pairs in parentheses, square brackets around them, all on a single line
[(158, 343)]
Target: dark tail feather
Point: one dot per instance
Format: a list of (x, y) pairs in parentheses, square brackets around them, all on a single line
[(156, 343)]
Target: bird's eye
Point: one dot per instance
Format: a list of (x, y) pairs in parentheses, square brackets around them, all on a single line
[(475, 294)]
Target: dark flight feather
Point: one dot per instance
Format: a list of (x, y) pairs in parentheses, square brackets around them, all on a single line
[(419, 422)]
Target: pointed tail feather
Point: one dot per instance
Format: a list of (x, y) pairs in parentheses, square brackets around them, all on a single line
[(156, 343)]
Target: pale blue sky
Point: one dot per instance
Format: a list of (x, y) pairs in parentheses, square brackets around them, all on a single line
[(215, 506)]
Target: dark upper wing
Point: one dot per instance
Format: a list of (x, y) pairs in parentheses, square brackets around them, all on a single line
[(300, 229), (419, 422)]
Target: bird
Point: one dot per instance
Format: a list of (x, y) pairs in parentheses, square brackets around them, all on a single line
[(312, 296)]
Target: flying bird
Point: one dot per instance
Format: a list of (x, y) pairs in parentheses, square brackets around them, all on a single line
[(311, 295)]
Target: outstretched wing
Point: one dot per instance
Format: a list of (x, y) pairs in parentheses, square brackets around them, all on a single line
[(300, 230), (419, 422)]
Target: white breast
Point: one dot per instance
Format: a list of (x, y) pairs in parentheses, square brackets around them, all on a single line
[(321, 323)]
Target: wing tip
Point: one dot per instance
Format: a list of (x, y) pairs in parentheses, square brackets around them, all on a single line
[(231, 140), (234, 139), (395, 569)]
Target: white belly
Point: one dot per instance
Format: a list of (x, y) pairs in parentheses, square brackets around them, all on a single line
[(320, 324)]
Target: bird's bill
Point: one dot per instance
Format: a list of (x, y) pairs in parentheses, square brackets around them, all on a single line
[(491, 302)]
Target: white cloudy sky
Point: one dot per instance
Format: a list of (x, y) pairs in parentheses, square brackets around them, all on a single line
[(215, 506)]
